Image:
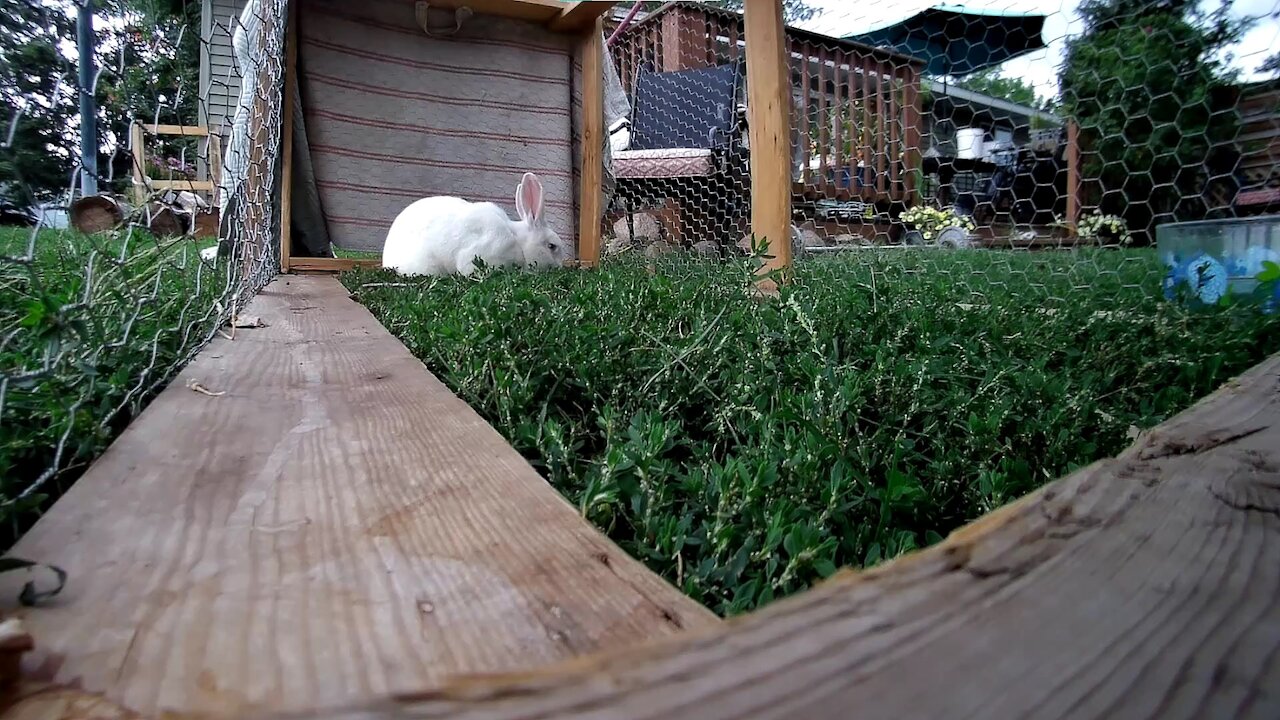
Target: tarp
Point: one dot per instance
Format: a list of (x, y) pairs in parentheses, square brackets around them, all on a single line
[(957, 39)]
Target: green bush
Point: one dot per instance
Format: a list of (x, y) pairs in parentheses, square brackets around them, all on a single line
[(93, 328), (744, 448)]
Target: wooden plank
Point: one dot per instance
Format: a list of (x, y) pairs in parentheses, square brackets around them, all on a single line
[(839, 108), (579, 16), (1141, 586), (867, 192), (824, 119), (215, 160), (194, 130), (806, 59), (768, 104), (192, 185), (882, 134), (591, 173), (138, 141), (330, 265), (684, 40), (539, 11), (912, 136), (335, 527), (255, 193), (895, 136), (286, 140)]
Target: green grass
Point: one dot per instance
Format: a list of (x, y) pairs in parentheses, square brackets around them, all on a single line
[(92, 328), (356, 254), (745, 449)]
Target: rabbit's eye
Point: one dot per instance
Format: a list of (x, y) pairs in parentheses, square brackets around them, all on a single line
[(551, 247)]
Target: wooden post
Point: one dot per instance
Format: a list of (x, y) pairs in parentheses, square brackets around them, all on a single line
[(139, 142), (768, 101), (286, 138), (684, 40), (256, 195), (591, 174), (1073, 175), (911, 133)]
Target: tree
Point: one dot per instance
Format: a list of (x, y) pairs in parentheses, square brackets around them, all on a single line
[(993, 83), (1270, 65), (1151, 96), (149, 64), (155, 77), (37, 99)]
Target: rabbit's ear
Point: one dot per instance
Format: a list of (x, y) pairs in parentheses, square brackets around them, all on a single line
[(529, 199)]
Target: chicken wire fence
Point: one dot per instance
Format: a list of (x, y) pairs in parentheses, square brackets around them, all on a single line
[(1029, 149), (106, 292), (1008, 127)]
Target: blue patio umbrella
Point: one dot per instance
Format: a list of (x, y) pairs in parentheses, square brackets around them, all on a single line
[(957, 40)]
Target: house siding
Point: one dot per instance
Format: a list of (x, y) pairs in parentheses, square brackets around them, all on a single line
[(219, 76)]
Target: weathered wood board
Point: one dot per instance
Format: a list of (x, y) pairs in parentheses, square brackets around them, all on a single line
[(1143, 586), (333, 525)]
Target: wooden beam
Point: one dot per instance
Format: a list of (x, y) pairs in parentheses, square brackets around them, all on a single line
[(684, 39), (591, 174), (579, 16), (139, 142), (539, 11), (256, 190), (768, 107), (194, 130), (1140, 586), (1073, 175), (330, 265), (192, 185), (286, 141), (911, 133)]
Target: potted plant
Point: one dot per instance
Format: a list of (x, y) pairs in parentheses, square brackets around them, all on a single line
[(942, 227)]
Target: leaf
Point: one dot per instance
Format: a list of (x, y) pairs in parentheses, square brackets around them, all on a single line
[(1270, 271), (873, 555)]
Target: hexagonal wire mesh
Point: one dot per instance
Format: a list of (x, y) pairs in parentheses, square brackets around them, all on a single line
[(988, 133), (96, 322), (1052, 125)]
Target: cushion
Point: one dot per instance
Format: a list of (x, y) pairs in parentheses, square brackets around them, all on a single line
[(664, 163)]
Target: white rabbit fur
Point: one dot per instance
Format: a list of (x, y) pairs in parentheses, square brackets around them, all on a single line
[(442, 235)]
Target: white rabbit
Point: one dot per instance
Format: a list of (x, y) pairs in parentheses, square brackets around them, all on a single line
[(442, 235)]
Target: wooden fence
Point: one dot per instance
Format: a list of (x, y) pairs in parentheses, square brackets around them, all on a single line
[(855, 111)]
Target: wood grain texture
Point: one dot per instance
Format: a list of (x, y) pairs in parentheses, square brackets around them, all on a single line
[(286, 136), (138, 148), (1142, 586), (337, 526), (330, 265), (195, 130), (580, 16), (591, 174), (769, 126)]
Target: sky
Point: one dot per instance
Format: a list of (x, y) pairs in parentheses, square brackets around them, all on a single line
[(842, 17)]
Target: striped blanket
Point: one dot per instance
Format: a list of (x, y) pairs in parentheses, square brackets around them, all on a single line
[(394, 115)]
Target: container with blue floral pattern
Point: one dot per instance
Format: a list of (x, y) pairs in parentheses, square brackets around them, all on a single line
[(1215, 262)]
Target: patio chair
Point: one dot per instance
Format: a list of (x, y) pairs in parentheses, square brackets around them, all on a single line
[(687, 144)]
